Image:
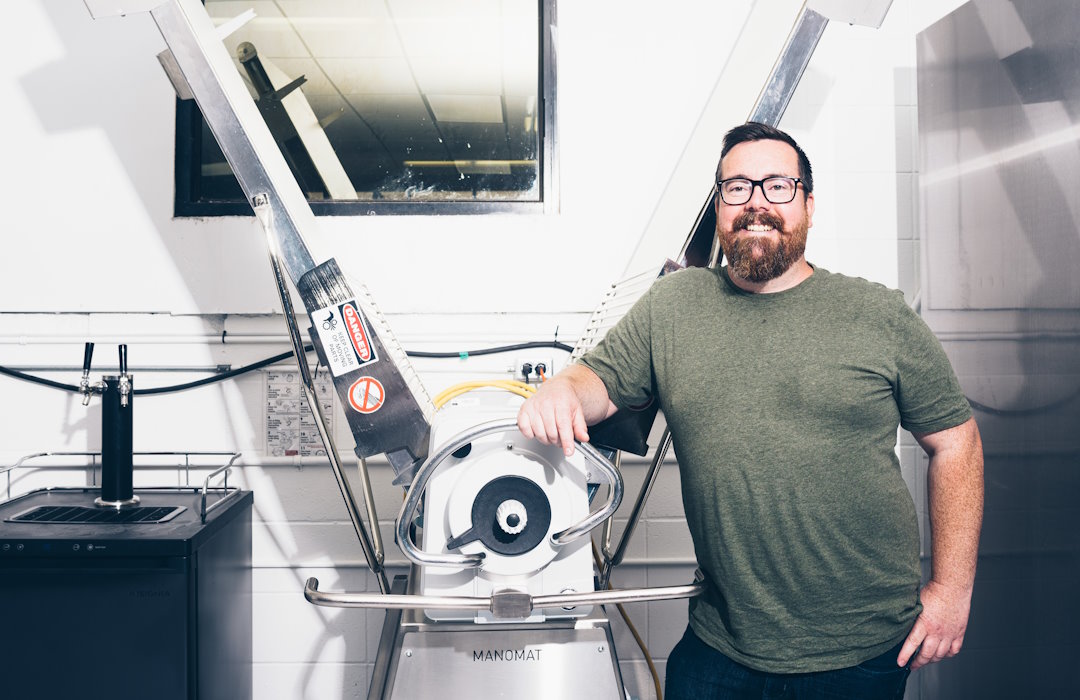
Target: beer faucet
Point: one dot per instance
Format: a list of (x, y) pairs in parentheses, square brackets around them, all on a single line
[(85, 387), (124, 383)]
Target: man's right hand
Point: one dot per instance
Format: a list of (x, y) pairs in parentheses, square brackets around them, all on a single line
[(564, 406)]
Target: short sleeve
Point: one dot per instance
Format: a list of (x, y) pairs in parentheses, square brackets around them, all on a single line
[(623, 358), (928, 392)]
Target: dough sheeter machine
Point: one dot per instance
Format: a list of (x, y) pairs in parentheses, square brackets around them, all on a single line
[(502, 599)]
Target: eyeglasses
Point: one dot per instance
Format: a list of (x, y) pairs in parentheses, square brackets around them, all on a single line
[(739, 190)]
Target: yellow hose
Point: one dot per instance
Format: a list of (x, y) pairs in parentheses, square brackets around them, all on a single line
[(512, 385)]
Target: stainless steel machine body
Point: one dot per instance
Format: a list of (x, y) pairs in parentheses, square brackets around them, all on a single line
[(532, 661)]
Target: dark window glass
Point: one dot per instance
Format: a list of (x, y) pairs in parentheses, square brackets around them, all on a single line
[(384, 106)]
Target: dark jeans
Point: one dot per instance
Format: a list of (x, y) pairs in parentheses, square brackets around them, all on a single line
[(696, 671)]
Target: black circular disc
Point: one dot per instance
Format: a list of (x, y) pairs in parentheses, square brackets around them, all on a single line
[(485, 523)]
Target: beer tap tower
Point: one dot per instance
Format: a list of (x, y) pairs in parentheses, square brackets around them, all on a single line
[(117, 400)]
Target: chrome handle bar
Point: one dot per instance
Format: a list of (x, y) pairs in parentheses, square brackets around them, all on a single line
[(493, 603)]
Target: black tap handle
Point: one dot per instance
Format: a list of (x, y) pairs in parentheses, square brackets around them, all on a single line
[(88, 354), (123, 359)]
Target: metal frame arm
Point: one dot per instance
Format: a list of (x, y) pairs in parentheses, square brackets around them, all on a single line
[(613, 560), (371, 546)]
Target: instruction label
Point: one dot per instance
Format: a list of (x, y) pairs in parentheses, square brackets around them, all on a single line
[(290, 426), (345, 337)]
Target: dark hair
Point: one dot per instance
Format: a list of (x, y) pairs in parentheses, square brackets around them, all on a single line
[(756, 131)]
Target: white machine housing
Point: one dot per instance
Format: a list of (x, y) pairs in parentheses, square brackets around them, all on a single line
[(544, 569)]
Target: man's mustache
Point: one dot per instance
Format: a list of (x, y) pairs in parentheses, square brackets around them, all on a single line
[(760, 218)]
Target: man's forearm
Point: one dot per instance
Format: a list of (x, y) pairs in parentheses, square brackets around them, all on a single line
[(955, 481), (956, 502), (590, 391)]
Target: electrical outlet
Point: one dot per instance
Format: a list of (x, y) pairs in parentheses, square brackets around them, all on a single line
[(534, 361)]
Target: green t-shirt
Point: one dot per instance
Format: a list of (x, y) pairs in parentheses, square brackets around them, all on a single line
[(783, 409)]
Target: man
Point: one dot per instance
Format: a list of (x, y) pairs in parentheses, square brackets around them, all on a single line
[(783, 385)]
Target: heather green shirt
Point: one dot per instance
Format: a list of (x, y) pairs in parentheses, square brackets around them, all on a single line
[(784, 408)]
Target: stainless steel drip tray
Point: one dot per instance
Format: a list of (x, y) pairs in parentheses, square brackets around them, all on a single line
[(134, 515)]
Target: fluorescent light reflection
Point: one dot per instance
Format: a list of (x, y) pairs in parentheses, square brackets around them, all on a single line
[(1024, 149)]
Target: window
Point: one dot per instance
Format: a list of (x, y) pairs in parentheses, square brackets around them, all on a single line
[(389, 106)]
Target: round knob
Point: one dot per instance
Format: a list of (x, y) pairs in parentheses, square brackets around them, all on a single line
[(511, 516)]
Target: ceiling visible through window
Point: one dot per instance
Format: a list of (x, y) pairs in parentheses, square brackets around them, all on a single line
[(377, 103)]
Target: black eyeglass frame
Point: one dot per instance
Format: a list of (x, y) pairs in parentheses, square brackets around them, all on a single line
[(759, 184)]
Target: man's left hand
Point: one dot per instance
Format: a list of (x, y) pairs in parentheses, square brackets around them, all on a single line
[(939, 630)]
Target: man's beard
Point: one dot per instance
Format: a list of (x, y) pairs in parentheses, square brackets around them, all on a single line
[(757, 258)]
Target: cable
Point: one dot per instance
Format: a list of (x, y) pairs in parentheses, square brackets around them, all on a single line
[(37, 380), (464, 354), (221, 377), (633, 631), (284, 356), (161, 389), (512, 385)]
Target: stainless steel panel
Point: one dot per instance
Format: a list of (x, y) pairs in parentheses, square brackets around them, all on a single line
[(999, 127), (999, 104), (524, 664)]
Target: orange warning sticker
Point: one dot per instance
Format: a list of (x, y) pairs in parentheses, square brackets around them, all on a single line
[(366, 395)]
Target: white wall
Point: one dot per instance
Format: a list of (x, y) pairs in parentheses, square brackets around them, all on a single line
[(91, 252)]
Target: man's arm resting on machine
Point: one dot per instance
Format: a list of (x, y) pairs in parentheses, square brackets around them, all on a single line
[(564, 406)]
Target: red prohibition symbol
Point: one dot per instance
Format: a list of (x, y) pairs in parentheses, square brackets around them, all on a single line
[(366, 395)]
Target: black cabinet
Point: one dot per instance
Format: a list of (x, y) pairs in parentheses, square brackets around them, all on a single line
[(157, 611)]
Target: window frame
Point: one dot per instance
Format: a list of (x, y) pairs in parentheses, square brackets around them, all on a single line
[(188, 147)]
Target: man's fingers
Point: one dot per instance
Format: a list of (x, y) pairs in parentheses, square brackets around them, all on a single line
[(564, 422), (531, 423), (524, 423), (924, 657), (581, 428), (930, 647), (933, 650), (911, 644), (554, 416), (548, 430)]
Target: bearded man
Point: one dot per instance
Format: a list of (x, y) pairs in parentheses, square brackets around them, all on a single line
[(783, 385)]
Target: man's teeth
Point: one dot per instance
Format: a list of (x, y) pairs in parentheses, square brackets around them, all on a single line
[(758, 228)]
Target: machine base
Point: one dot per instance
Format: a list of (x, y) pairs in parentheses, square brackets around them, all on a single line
[(567, 659)]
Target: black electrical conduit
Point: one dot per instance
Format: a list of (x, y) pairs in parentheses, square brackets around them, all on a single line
[(451, 355), (284, 356)]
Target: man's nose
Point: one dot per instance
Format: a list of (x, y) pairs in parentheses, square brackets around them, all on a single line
[(757, 196)]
